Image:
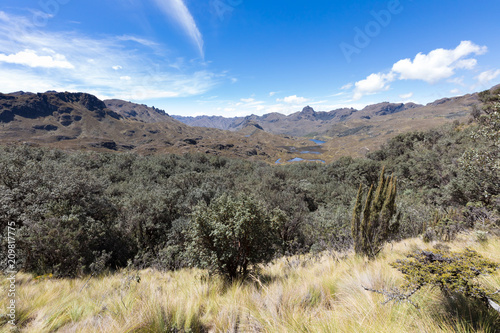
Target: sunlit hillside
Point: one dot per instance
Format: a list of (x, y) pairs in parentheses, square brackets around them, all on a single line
[(322, 293)]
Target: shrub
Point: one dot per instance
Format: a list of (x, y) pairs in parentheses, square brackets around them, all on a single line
[(444, 227), (231, 234), (373, 225), (451, 272)]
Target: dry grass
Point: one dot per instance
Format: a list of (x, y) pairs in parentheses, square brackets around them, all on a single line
[(299, 294)]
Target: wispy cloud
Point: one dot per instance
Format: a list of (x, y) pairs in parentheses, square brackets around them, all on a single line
[(109, 67), (178, 11), (138, 40), (406, 96), (347, 86), (486, 77)]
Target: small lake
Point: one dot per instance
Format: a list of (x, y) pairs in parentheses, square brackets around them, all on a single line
[(314, 150), (298, 159)]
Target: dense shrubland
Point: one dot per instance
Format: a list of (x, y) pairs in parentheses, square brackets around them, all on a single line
[(74, 210)]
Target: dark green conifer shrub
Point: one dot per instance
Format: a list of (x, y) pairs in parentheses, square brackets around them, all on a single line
[(373, 224)]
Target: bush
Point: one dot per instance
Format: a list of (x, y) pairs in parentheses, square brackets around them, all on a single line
[(451, 272), (373, 225), (232, 234)]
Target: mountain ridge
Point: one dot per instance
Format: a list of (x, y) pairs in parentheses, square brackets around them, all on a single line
[(309, 122), (82, 121)]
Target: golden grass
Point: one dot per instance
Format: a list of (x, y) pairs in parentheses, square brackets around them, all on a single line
[(299, 294)]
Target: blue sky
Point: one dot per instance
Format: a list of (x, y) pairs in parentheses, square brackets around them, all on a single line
[(238, 57)]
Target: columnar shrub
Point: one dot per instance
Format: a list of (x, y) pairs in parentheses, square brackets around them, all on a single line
[(373, 224)]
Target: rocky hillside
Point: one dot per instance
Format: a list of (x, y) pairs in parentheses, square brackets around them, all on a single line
[(139, 112), (309, 122), (82, 121)]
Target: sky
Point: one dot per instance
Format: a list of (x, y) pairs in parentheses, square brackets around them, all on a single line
[(242, 57)]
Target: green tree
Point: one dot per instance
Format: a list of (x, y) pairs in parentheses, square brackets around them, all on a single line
[(482, 162), (373, 224), (232, 234)]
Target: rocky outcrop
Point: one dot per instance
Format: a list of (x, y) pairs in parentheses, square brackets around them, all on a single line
[(386, 108), (138, 112), (60, 105)]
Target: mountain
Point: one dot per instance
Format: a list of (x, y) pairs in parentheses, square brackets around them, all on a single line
[(82, 121), (309, 122), (140, 112), (210, 121)]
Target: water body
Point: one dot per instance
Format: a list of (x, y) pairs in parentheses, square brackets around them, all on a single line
[(315, 150), (298, 159), (310, 152)]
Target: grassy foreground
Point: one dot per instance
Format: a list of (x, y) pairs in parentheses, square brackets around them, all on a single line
[(299, 294)]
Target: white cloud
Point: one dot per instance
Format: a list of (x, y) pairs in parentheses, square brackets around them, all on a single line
[(374, 83), (406, 96), (347, 86), (248, 100), (457, 80), (125, 78), (32, 59), (138, 40), (486, 77), (178, 11), (294, 99), (95, 62), (272, 93), (455, 91), (438, 64)]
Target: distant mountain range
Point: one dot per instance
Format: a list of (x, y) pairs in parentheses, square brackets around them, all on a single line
[(82, 121), (309, 122)]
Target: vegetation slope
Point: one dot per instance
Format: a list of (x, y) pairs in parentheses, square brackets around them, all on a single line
[(109, 242)]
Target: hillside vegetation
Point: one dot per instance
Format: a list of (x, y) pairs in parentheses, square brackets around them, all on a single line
[(124, 242)]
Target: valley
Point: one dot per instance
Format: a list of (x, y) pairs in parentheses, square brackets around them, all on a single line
[(81, 121)]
